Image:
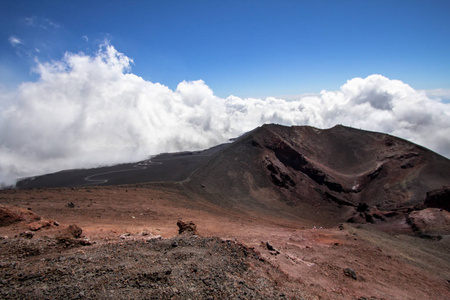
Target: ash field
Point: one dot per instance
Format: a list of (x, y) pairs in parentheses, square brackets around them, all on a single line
[(280, 213)]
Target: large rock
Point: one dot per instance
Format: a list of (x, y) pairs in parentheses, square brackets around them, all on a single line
[(188, 228), (430, 221), (75, 231)]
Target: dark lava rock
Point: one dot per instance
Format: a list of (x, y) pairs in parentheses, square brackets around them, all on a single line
[(439, 198), (188, 228), (27, 234), (272, 250), (350, 273), (74, 231)]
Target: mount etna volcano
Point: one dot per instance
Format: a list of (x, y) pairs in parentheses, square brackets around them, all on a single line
[(299, 212), (340, 173)]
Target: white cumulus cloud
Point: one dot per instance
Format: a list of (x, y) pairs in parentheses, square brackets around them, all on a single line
[(86, 111)]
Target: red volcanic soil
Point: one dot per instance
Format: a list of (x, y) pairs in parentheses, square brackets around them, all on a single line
[(270, 212)]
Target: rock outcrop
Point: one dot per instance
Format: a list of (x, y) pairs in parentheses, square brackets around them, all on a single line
[(188, 228)]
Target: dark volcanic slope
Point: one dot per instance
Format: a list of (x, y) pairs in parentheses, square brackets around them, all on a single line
[(163, 167), (310, 173)]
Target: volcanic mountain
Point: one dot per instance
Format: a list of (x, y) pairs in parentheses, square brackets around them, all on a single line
[(333, 175)]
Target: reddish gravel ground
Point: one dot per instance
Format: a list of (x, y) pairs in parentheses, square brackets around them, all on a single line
[(130, 248)]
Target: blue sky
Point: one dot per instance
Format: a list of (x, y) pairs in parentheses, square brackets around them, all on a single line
[(242, 48), (92, 83)]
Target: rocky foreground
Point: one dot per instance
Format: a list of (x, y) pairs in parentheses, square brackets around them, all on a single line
[(177, 268), (123, 252)]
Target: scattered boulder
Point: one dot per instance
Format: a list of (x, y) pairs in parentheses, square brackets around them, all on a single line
[(430, 222), (70, 204), (350, 273), (272, 250), (35, 226), (74, 231), (85, 241), (70, 237), (125, 235), (27, 234), (153, 237), (188, 228)]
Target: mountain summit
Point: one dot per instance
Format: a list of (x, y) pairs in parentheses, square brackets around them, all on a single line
[(332, 175)]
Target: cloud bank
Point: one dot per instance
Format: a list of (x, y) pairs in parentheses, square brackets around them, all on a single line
[(86, 111)]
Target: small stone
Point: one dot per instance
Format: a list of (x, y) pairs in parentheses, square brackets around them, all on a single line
[(27, 234), (75, 231), (86, 242), (272, 250), (125, 235), (350, 273), (153, 237)]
